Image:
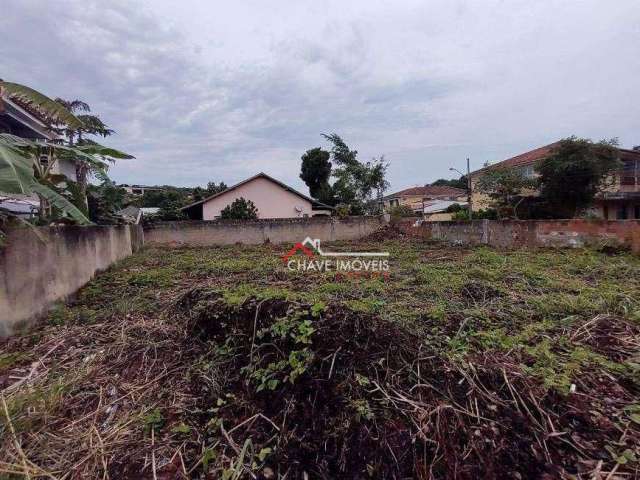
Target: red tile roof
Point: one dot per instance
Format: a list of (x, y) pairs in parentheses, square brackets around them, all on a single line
[(523, 159), (537, 154), (428, 191)]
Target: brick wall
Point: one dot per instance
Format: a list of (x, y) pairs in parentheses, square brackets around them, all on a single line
[(533, 233)]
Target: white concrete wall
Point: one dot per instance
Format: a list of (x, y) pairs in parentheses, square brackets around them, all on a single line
[(255, 232), (34, 274), (65, 167), (271, 200)]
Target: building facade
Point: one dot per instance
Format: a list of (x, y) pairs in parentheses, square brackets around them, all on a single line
[(620, 200), (417, 198), (272, 198)]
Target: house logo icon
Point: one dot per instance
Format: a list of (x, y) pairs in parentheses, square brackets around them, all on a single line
[(308, 246), (311, 247)]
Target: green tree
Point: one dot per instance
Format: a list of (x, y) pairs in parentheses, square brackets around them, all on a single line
[(400, 211), (104, 201), (171, 210), (198, 193), (87, 154), (165, 197), (316, 172), (76, 135), (357, 183), (576, 171), (240, 209), (506, 187), (460, 183), (213, 188)]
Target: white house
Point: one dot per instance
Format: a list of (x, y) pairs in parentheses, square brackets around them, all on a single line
[(272, 198), (18, 121)]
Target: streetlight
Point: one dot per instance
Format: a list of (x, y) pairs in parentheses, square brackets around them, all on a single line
[(468, 186)]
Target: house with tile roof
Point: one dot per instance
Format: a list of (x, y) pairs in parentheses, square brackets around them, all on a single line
[(272, 198), (620, 200), (417, 197)]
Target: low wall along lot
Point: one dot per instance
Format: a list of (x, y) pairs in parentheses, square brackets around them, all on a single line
[(35, 273), (256, 232), (533, 233)]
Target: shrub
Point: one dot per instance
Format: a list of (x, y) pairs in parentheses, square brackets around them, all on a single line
[(400, 211), (240, 209)]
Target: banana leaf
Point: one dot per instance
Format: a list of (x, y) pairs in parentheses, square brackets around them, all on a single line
[(61, 203), (48, 108)]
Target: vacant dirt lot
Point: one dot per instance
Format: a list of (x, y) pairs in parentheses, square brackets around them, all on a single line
[(221, 363)]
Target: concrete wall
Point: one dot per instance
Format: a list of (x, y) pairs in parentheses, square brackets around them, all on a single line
[(256, 232), (533, 233), (35, 274), (271, 200)]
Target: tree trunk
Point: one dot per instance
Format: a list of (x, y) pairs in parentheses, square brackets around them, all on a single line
[(82, 172)]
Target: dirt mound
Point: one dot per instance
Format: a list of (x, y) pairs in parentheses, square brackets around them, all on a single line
[(294, 389), (389, 231)]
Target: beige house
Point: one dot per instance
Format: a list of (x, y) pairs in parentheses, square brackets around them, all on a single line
[(620, 200), (272, 198), (417, 198)]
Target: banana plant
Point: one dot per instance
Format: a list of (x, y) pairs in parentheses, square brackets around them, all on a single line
[(21, 172), (20, 168), (50, 110)]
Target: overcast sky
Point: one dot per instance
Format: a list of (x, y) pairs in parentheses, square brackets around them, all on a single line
[(220, 90)]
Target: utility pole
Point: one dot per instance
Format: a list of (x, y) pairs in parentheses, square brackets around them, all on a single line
[(469, 190)]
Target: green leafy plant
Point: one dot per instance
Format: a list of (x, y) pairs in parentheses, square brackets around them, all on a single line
[(576, 171), (240, 209), (153, 420)]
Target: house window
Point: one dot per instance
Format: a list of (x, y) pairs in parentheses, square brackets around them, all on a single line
[(622, 212), (629, 172), (636, 212), (605, 212), (528, 171)]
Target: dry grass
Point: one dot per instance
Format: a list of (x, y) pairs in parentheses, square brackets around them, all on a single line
[(465, 363)]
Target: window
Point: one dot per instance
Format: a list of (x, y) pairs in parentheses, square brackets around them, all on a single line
[(636, 212), (622, 212), (605, 212), (528, 171)]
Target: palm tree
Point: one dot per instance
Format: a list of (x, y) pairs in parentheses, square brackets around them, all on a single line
[(91, 125)]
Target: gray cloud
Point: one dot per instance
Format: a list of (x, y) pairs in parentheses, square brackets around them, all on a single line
[(200, 93)]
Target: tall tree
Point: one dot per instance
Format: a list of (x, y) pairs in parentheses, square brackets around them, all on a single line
[(76, 135), (576, 171), (213, 188), (507, 188), (357, 184), (316, 172)]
